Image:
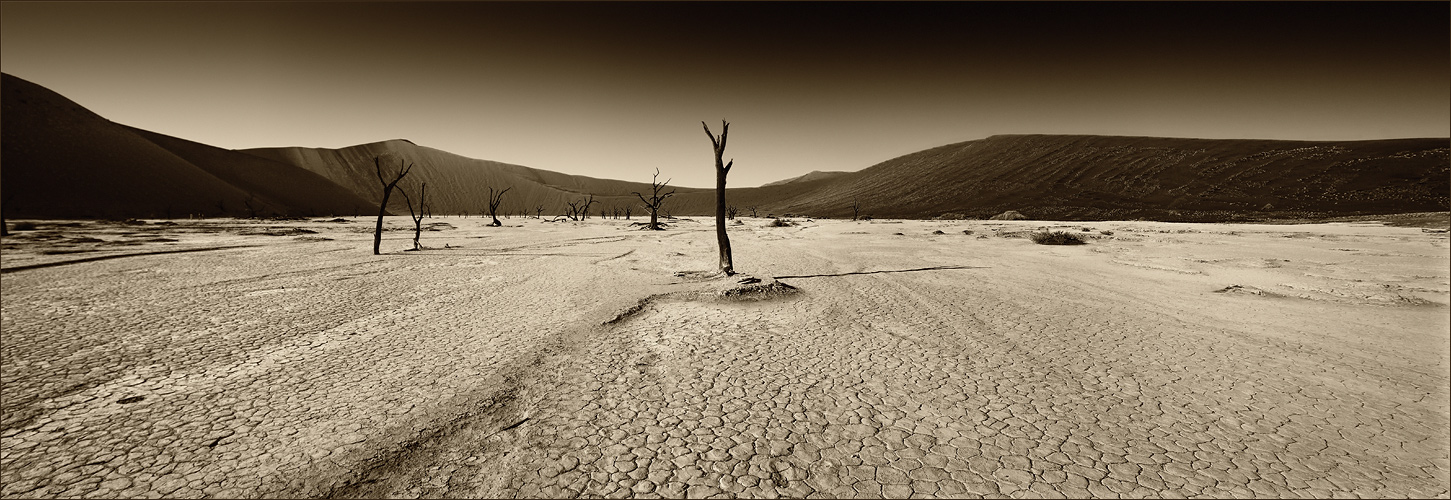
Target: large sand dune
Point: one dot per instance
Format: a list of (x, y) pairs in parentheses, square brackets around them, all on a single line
[(562, 359), (61, 160)]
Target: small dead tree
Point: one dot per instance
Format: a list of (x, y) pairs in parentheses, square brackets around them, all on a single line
[(752, 208), (418, 217), (251, 210), (721, 169), (387, 191), (494, 200), (731, 212), (656, 199), (584, 206), (538, 211), (627, 211), (856, 209), (573, 210)]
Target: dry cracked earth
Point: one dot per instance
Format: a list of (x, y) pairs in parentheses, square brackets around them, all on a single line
[(575, 359)]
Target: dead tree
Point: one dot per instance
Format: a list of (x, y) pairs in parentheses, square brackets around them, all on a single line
[(721, 169), (494, 201), (251, 210), (573, 210), (656, 199), (731, 212), (584, 207), (538, 211), (856, 209), (627, 212), (387, 191), (418, 217), (752, 208)]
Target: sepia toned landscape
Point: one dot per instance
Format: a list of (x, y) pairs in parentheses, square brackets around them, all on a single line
[(941, 250)]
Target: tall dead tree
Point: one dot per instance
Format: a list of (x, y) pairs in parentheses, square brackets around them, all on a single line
[(721, 169), (494, 201), (387, 191), (656, 199), (628, 209), (856, 208), (418, 217)]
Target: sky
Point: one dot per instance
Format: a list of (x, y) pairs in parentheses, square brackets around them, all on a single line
[(616, 90)]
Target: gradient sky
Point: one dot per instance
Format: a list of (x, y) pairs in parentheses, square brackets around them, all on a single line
[(616, 90)]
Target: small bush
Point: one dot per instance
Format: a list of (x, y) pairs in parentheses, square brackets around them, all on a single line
[(1106, 232), (778, 223), (1087, 229), (939, 231), (967, 231), (1056, 238)]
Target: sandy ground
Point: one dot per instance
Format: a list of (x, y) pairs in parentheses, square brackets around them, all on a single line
[(564, 359)]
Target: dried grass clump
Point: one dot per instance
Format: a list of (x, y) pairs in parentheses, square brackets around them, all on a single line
[(1056, 238), (778, 223)]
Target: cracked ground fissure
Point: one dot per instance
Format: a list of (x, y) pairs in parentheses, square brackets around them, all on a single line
[(1059, 372)]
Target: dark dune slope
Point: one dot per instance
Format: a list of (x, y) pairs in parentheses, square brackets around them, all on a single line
[(456, 184), (290, 190), (1100, 177), (61, 160)]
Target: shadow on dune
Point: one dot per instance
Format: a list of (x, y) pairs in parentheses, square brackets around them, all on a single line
[(934, 268), (105, 257)]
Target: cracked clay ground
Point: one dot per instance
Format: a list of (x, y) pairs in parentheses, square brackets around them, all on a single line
[(989, 366)]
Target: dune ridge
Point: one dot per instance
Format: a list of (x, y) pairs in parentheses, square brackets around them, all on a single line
[(65, 161)]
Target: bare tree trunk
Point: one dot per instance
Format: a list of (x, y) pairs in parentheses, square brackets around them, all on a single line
[(387, 191), (417, 218), (494, 201), (584, 207), (721, 169)]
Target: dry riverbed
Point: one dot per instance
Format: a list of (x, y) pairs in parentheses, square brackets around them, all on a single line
[(234, 358)]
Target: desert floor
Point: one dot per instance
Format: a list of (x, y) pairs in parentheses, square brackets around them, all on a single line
[(563, 359)]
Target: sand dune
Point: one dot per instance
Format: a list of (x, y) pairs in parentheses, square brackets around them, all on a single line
[(457, 184), (62, 160), (1157, 360), (1064, 177)]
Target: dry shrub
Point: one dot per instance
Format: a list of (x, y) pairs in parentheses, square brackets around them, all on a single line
[(1056, 238)]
